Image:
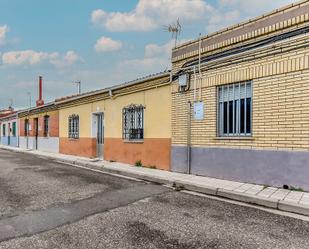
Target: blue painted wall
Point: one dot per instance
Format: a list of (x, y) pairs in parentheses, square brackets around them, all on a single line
[(13, 141), (274, 168)]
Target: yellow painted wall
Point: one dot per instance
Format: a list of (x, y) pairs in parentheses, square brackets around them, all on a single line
[(85, 114), (157, 115)]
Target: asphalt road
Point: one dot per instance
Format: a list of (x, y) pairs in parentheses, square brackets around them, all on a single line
[(44, 204)]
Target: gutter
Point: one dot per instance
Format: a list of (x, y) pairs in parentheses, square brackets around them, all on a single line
[(111, 89)]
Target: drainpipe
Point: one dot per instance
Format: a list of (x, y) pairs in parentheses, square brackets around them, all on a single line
[(17, 130), (189, 139)]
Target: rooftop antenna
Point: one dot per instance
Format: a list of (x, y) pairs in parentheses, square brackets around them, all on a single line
[(29, 96), (11, 103), (175, 29), (79, 86)]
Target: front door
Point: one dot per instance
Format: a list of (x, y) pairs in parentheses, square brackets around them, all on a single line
[(36, 133), (100, 135), (9, 134), (27, 132)]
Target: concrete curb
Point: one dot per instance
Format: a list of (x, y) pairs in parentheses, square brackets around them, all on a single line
[(181, 184), (293, 207), (251, 199), (209, 190)]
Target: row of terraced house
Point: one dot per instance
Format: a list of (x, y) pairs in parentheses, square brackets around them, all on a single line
[(234, 106)]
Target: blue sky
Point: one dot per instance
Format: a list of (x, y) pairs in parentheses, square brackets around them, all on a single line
[(100, 42)]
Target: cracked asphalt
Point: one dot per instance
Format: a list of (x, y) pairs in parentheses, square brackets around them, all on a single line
[(44, 204)]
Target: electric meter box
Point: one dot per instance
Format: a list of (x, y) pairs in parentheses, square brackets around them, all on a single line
[(183, 80)]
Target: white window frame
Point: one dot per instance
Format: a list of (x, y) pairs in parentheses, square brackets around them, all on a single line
[(234, 92)]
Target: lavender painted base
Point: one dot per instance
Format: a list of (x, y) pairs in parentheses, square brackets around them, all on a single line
[(275, 168), (9, 141)]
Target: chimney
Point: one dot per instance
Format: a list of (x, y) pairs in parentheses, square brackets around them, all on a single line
[(40, 101)]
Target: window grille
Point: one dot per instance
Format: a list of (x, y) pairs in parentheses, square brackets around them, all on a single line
[(46, 125), (133, 122), (235, 109), (74, 126)]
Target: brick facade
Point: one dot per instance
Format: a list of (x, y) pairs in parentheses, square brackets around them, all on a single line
[(276, 61), (280, 104)]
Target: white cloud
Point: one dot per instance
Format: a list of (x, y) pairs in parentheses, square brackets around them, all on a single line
[(68, 59), (3, 31), (71, 57), (220, 20), (229, 12), (106, 44), (253, 6), (31, 57), (156, 58), (149, 15), (155, 50), (98, 16), (145, 65)]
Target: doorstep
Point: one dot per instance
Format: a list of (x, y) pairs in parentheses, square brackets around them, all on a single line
[(271, 197)]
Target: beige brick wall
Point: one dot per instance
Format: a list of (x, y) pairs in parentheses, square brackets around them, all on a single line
[(290, 21), (280, 101)]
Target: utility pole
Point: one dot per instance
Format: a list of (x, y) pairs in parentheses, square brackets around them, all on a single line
[(79, 86)]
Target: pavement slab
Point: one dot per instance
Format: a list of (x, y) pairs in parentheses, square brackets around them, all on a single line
[(294, 197), (280, 194), (267, 192)]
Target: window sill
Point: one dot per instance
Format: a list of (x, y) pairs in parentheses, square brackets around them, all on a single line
[(234, 138), (73, 139), (133, 141)]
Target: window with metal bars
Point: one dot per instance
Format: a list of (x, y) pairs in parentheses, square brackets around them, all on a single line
[(46, 125), (74, 126), (235, 109), (133, 122)]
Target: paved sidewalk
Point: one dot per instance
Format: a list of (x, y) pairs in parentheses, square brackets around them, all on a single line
[(285, 200)]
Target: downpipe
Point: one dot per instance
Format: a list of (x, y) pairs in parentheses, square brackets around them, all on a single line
[(189, 138)]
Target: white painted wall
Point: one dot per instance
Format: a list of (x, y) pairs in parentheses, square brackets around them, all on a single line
[(23, 142), (48, 144)]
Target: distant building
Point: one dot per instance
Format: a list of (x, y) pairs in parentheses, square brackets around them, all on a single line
[(39, 126), (9, 128)]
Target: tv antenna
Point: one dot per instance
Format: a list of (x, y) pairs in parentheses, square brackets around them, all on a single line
[(11, 103), (79, 86), (175, 29)]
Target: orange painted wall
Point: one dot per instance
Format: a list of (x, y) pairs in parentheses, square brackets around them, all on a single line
[(22, 127), (53, 125), (84, 147), (152, 152)]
